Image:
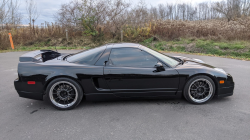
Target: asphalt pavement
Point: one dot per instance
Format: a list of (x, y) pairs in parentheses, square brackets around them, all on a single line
[(221, 119)]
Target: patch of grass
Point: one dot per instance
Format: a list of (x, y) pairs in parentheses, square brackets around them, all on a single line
[(160, 45), (235, 49), (221, 48), (204, 44), (177, 42), (224, 56), (181, 41), (222, 45), (177, 49), (149, 40), (225, 46)]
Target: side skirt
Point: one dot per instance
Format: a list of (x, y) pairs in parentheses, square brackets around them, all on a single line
[(112, 97)]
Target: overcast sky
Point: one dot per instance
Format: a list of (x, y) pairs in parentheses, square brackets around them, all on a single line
[(48, 8)]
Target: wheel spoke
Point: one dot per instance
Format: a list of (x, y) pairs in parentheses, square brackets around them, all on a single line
[(70, 90), (196, 85), (67, 87), (203, 83), (70, 95), (63, 94), (200, 89)]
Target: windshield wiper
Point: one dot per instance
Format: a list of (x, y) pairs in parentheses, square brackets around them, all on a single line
[(180, 62)]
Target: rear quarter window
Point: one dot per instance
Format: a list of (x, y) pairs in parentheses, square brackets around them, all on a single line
[(87, 57)]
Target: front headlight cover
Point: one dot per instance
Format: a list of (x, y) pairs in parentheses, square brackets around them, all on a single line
[(198, 60), (221, 70)]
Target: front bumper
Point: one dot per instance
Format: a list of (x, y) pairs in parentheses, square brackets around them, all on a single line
[(225, 91)]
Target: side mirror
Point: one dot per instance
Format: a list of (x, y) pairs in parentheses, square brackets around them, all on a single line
[(159, 67)]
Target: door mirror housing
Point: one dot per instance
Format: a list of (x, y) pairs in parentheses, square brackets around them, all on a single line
[(159, 67)]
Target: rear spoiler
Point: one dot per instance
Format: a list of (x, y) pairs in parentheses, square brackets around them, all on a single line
[(39, 56)]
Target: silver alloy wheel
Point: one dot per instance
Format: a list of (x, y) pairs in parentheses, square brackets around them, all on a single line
[(200, 90), (63, 94)]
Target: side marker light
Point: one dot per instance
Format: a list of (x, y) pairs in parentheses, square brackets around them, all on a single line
[(222, 81)]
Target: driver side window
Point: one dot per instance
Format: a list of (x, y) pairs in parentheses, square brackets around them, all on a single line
[(131, 57)]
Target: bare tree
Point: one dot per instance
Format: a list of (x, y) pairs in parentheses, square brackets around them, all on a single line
[(114, 14), (69, 14), (162, 11), (101, 11), (245, 7), (31, 9), (233, 8), (3, 12), (9, 12), (15, 15)]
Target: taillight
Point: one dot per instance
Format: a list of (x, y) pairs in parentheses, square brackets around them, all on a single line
[(31, 82)]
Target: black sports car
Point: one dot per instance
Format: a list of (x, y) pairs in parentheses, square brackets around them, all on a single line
[(117, 71)]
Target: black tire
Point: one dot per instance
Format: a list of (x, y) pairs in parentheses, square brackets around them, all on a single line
[(194, 89), (71, 90)]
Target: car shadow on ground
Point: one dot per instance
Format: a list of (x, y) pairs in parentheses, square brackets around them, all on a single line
[(34, 106), (179, 101), (135, 102)]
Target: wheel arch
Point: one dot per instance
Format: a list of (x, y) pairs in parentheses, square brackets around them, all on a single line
[(208, 75), (60, 76)]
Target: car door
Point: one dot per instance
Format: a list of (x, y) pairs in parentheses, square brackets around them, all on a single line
[(131, 72)]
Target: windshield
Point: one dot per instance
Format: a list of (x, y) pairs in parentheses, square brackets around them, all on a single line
[(170, 61)]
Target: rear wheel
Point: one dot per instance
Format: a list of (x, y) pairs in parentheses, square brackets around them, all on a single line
[(64, 93), (199, 89)]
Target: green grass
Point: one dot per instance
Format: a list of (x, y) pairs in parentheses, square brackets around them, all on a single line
[(181, 41), (221, 45), (177, 49), (234, 49), (159, 45), (150, 40)]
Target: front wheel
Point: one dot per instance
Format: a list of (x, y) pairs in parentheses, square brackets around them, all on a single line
[(64, 93), (199, 89)]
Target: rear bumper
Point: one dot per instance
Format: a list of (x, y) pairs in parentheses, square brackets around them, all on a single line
[(32, 94)]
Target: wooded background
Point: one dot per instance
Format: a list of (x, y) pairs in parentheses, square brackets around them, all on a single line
[(101, 20)]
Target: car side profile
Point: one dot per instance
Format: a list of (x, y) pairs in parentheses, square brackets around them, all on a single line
[(119, 71)]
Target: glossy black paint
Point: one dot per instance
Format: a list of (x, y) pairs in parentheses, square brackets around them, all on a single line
[(133, 82), (101, 81)]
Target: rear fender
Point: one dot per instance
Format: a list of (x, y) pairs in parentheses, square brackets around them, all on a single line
[(61, 75)]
